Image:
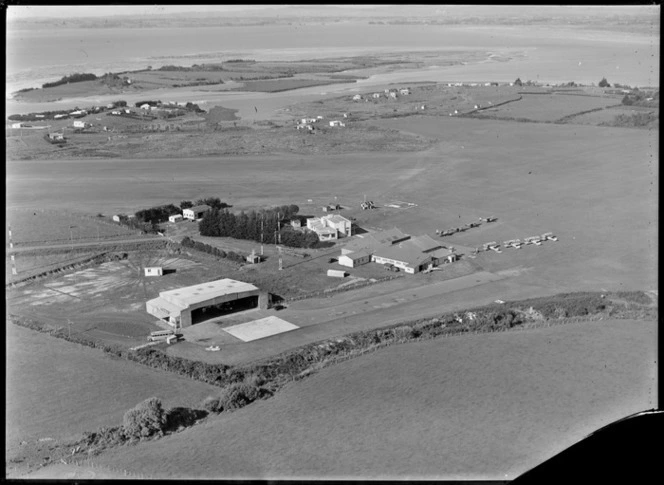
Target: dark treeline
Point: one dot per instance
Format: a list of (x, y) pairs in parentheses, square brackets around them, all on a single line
[(213, 202), (74, 78), (247, 225), (155, 215)]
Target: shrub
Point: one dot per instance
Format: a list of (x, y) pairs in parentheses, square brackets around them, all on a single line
[(604, 83), (213, 404), (180, 417), (146, 419), (238, 395)]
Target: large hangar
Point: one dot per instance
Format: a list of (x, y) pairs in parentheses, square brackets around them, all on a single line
[(187, 306)]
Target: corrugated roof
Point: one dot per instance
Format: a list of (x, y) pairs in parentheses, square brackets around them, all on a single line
[(371, 242), (409, 254), (206, 291), (162, 308), (356, 255), (425, 242)]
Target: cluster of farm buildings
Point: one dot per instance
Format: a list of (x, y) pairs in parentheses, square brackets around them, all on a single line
[(309, 123), (395, 249), (388, 93)]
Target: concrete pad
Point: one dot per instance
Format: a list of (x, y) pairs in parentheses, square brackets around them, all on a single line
[(265, 327)]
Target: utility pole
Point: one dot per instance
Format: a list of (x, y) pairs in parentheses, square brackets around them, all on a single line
[(71, 236), (279, 226), (281, 264), (262, 217)]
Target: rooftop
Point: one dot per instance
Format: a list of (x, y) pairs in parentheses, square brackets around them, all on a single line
[(425, 243), (199, 208), (356, 255), (405, 253), (197, 293), (336, 218)]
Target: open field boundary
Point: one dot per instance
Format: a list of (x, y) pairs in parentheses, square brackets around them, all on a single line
[(74, 263), (242, 385), (334, 291), (563, 308), (567, 118)]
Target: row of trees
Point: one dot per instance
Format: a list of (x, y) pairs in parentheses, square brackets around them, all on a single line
[(213, 202), (266, 225), (74, 78), (155, 215), (187, 242)]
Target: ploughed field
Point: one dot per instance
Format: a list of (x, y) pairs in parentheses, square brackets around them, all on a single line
[(57, 389), (488, 406)]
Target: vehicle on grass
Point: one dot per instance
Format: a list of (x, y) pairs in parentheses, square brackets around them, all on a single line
[(160, 335), (213, 348), (391, 267)]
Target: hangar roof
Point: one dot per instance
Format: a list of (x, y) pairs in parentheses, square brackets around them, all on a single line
[(206, 291)]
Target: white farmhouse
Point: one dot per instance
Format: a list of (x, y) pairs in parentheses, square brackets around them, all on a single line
[(196, 212), (340, 223)]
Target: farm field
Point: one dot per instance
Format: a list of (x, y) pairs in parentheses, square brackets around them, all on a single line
[(33, 227), (608, 115), (34, 264), (540, 180), (58, 389), (548, 107), (444, 401)]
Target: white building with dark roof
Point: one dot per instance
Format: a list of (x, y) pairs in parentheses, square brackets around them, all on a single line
[(195, 212)]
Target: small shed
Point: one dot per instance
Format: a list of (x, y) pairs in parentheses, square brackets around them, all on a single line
[(354, 259), (253, 258), (175, 218), (335, 273), (154, 271)]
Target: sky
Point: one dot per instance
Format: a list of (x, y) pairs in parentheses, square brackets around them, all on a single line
[(69, 11), (76, 11)]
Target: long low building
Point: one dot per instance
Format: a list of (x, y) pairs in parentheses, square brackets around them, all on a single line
[(186, 306)]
